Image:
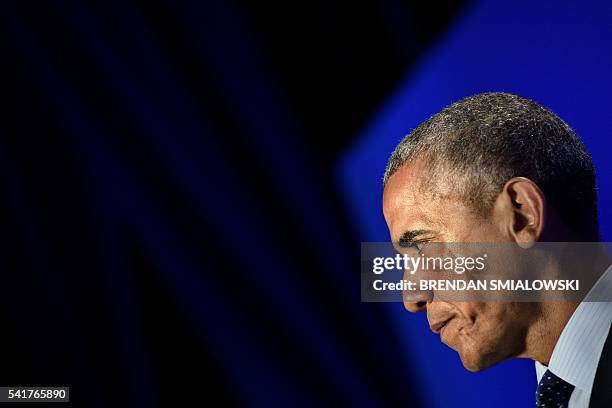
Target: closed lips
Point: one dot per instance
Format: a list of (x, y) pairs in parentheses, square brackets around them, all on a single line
[(436, 327)]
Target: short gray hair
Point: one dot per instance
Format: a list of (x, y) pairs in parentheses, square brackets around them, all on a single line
[(482, 141)]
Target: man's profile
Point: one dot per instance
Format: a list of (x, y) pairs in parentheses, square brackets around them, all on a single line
[(497, 167)]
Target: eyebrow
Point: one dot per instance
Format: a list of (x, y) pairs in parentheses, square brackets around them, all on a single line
[(408, 238)]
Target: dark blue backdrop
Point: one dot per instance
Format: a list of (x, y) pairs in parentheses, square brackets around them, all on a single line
[(172, 229), (182, 201)]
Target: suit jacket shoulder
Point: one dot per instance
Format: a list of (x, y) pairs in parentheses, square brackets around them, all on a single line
[(601, 395)]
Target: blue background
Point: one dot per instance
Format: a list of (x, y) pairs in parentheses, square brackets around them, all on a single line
[(184, 186)]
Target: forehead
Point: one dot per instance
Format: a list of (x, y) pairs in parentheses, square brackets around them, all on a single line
[(402, 194), (412, 200)]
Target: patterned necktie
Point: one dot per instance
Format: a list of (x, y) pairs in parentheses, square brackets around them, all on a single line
[(553, 391)]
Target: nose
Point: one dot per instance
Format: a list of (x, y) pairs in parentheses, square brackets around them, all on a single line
[(416, 301)]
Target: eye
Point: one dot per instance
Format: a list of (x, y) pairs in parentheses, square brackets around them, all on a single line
[(419, 245), (416, 244)]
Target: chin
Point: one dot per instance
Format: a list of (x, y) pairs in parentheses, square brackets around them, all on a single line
[(474, 361), (474, 367)]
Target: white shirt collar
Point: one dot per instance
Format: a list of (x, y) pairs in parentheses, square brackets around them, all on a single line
[(576, 355)]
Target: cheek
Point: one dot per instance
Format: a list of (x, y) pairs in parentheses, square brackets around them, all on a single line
[(462, 329), (488, 337), (479, 328), (484, 320)]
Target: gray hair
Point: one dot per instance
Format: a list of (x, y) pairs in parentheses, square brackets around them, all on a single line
[(482, 141)]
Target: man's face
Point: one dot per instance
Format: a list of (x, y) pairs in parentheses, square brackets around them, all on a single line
[(483, 333)]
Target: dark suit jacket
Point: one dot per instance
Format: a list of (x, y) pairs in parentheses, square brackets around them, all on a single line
[(601, 395)]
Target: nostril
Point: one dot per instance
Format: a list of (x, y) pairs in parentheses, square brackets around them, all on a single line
[(416, 301)]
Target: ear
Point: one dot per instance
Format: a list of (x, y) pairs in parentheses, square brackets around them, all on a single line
[(525, 206)]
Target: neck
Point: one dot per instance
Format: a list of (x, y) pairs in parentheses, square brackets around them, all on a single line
[(548, 323), (543, 334)]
